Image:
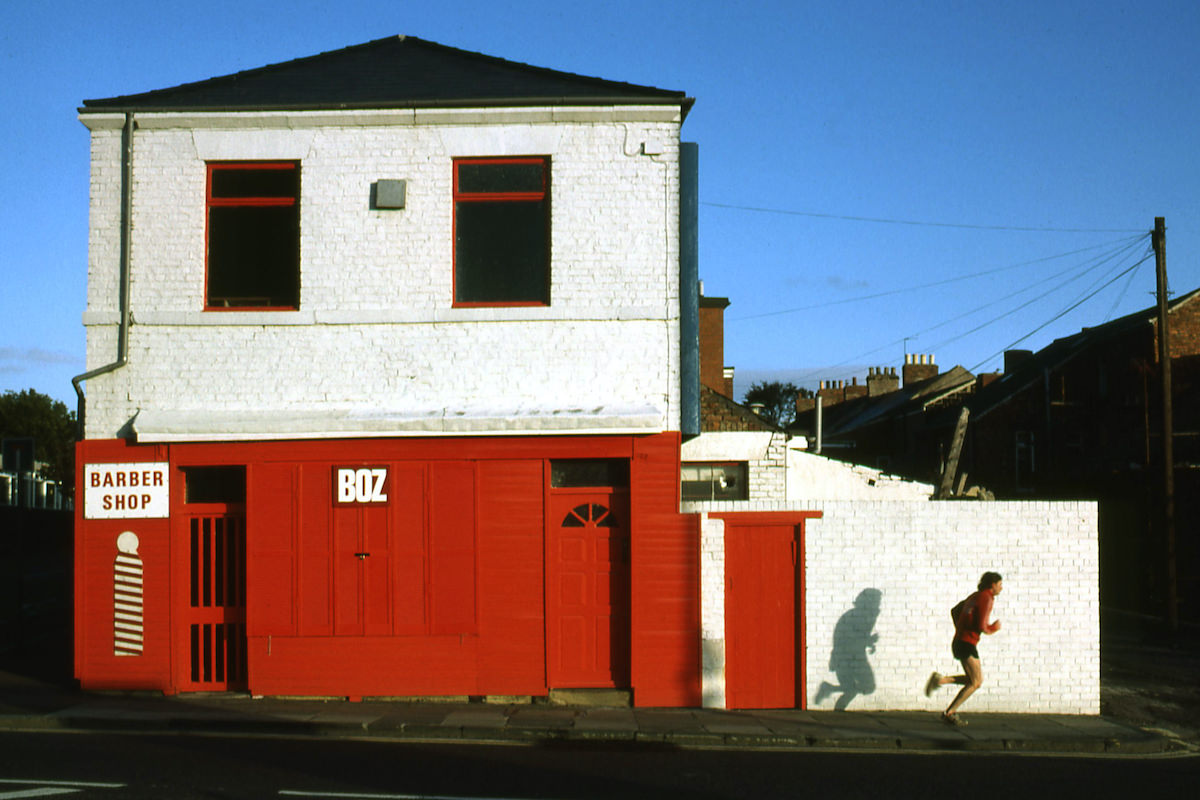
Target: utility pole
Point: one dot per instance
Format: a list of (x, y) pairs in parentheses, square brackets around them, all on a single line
[(1159, 239)]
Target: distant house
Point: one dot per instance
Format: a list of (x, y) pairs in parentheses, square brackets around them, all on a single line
[(740, 456), (895, 423), (1081, 419), (1066, 420)]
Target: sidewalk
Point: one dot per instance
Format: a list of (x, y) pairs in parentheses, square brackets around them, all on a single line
[(32, 704)]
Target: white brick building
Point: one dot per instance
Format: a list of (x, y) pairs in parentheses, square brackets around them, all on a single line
[(389, 366)]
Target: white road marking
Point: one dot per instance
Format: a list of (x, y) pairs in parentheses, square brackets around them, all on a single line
[(51, 788)]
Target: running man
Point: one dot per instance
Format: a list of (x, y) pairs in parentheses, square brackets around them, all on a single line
[(971, 621)]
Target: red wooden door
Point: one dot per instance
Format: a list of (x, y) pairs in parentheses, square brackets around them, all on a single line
[(213, 624), (361, 571), (587, 603), (761, 633)]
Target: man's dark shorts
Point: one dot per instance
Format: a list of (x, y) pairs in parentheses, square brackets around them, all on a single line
[(963, 650)]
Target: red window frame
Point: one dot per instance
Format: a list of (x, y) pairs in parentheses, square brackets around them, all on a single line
[(493, 197), (244, 202)]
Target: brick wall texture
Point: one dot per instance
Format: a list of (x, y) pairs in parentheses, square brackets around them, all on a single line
[(922, 558), (375, 328)]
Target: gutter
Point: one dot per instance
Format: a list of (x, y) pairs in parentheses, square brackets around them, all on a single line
[(126, 250), (128, 105)]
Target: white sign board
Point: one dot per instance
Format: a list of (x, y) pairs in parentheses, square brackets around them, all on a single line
[(360, 486), (126, 491)]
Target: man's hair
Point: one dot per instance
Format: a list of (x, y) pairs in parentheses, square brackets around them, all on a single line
[(988, 579)]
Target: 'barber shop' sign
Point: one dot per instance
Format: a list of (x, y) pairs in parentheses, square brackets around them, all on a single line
[(126, 491)]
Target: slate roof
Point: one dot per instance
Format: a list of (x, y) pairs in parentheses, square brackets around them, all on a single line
[(851, 415), (396, 72), (1060, 351), (720, 414)]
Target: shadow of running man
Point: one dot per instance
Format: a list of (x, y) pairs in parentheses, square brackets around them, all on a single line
[(853, 638)]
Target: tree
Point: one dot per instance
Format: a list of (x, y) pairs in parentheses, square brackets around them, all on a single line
[(30, 414), (778, 401)]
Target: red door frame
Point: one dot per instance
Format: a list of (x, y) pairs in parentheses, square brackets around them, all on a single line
[(795, 520)]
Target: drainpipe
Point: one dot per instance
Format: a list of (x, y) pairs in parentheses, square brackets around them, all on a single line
[(123, 318), (689, 288), (819, 413)]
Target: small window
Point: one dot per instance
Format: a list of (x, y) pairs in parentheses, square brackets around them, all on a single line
[(501, 231), (715, 481), (214, 484), (253, 235), (572, 473)]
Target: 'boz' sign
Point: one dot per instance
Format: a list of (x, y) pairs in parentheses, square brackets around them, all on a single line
[(360, 485)]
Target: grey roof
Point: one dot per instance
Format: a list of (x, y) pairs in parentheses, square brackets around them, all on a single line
[(860, 412), (396, 72), (1063, 350)]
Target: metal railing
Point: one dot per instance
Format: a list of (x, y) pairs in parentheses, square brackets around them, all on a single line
[(27, 490)]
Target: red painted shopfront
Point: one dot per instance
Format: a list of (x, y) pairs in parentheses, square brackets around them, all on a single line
[(388, 567)]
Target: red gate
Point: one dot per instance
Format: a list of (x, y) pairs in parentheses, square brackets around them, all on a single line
[(764, 610), (211, 651)]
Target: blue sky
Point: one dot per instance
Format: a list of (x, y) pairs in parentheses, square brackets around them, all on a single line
[(876, 177)]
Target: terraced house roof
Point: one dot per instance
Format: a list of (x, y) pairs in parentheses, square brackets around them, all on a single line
[(396, 72)]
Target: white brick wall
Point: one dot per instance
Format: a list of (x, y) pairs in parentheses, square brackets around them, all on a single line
[(922, 558), (765, 454), (375, 327)]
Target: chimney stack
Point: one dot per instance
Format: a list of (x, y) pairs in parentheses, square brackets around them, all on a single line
[(881, 380), (918, 367), (1013, 359)]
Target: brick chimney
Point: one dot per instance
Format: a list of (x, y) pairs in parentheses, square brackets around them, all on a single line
[(881, 380), (918, 367), (834, 392), (1013, 359), (713, 372)]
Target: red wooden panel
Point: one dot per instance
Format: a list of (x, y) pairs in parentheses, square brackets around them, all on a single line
[(512, 649), (96, 664), (665, 627), (270, 564), (760, 616), (315, 581), (452, 547), (347, 610), (407, 493), (375, 570)]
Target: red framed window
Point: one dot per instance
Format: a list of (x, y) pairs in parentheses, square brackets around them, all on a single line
[(253, 220), (502, 231)]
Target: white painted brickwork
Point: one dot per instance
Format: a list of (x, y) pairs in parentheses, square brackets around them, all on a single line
[(375, 328), (765, 454), (922, 558)]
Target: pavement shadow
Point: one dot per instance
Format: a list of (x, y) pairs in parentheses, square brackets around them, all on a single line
[(854, 638)]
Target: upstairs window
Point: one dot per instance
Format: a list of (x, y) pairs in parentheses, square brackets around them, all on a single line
[(253, 235), (501, 232)]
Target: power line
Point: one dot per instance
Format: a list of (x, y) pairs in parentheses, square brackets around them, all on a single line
[(1118, 242), (888, 221), (1068, 282), (1062, 313), (1091, 265)]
